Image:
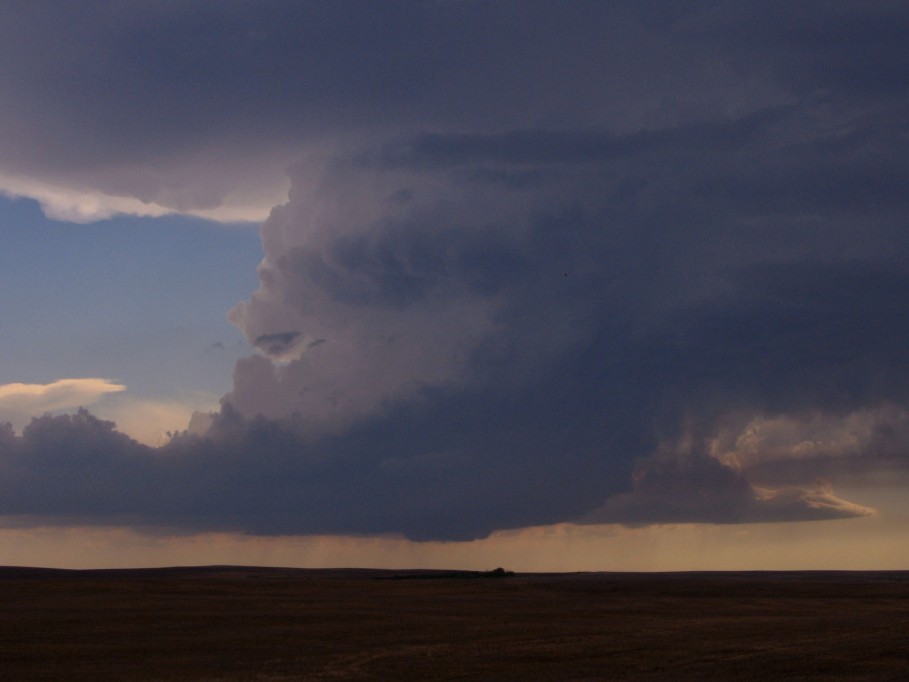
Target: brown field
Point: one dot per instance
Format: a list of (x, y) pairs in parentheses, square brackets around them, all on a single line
[(230, 623)]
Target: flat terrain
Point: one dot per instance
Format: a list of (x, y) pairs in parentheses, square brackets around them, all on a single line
[(232, 623)]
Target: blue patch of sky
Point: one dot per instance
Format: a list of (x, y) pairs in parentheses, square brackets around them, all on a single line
[(139, 300)]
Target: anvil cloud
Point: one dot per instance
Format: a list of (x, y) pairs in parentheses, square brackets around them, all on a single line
[(538, 262)]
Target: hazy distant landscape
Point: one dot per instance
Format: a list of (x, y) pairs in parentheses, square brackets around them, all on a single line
[(237, 623)]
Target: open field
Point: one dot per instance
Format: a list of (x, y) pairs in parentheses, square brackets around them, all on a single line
[(231, 623)]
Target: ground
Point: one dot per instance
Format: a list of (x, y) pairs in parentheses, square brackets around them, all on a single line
[(233, 623)]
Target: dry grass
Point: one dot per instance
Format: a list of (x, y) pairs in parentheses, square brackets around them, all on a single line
[(282, 624)]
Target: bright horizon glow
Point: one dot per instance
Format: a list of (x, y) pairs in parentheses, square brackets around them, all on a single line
[(839, 545)]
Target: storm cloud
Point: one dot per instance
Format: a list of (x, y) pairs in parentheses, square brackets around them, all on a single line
[(537, 263)]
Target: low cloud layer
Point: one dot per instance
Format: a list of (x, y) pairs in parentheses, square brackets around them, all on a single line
[(553, 270), (429, 473)]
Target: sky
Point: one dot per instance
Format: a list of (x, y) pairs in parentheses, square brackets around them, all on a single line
[(555, 286)]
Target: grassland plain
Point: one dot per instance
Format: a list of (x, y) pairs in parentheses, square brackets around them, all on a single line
[(238, 623)]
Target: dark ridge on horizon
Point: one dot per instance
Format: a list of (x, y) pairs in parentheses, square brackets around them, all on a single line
[(14, 572)]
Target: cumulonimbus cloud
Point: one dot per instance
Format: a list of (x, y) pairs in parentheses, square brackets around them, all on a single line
[(493, 292)]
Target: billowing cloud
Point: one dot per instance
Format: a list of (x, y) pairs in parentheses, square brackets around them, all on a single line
[(537, 263), (391, 281)]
